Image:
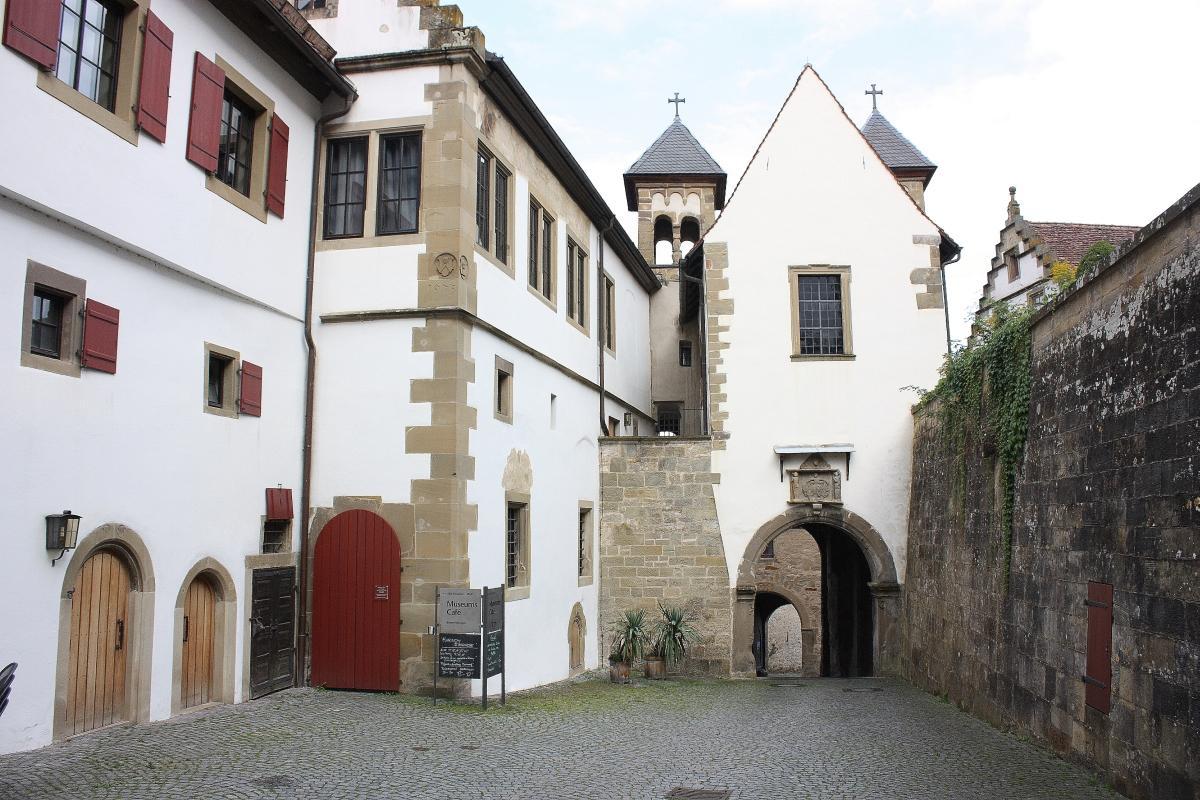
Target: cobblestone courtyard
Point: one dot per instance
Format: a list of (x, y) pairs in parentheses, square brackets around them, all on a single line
[(580, 740)]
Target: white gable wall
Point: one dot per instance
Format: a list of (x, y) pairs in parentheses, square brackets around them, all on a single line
[(817, 194)]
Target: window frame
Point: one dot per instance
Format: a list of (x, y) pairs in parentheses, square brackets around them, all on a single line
[(112, 7), (255, 202), (229, 398), (231, 102), (327, 183), (578, 283), (819, 270), (542, 258), (121, 119), (484, 162), (486, 205), (517, 589), (383, 139), (685, 347), (586, 561), (502, 405), (73, 292), (608, 328)]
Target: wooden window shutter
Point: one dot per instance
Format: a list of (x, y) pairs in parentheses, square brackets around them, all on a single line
[(155, 88), (277, 166), (279, 504), (100, 323), (1097, 680), (250, 392), (204, 128), (31, 28)]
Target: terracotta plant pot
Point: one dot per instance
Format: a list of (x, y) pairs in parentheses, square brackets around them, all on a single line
[(618, 671), (655, 668)]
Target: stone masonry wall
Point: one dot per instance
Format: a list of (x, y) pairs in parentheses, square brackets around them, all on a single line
[(795, 571), (1109, 491), (660, 541)]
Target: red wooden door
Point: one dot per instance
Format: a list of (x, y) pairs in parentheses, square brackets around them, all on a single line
[(356, 604)]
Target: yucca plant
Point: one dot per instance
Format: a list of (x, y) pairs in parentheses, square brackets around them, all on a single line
[(631, 635), (674, 634)]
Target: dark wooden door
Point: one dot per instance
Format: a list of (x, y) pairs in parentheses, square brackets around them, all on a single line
[(96, 677), (199, 634), (272, 627), (356, 604)]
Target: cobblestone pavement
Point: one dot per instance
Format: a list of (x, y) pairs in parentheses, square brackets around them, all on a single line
[(579, 740)]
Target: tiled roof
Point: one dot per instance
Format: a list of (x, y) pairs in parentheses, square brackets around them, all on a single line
[(896, 151), (1068, 241), (676, 152)]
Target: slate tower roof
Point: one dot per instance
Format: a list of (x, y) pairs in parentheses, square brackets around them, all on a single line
[(899, 154), (676, 153)]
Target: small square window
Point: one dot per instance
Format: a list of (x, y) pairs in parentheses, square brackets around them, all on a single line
[(51, 323), (669, 418), (503, 406), (218, 371), (685, 354), (220, 380), (277, 535)]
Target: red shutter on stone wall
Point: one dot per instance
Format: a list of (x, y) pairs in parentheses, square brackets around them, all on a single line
[(279, 503), (204, 127), (250, 394), (277, 166), (100, 323), (155, 88), (1097, 690), (31, 28)]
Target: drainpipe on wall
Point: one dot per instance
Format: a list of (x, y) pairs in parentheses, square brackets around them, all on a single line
[(601, 317), (946, 300), (309, 392)]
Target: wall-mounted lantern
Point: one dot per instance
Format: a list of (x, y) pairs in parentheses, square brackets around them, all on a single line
[(62, 533)]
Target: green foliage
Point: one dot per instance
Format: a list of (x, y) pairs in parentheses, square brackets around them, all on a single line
[(1096, 255), (983, 397), (631, 634), (673, 635)]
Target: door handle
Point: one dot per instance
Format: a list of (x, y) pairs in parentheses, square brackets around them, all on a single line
[(120, 634), (185, 627), (256, 624)]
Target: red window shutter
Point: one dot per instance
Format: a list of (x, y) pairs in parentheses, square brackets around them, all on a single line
[(279, 503), (31, 28), (1097, 681), (155, 88), (250, 395), (277, 166), (100, 323), (204, 128)]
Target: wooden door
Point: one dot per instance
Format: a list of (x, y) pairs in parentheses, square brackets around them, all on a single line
[(97, 676), (575, 643), (199, 635), (356, 604), (272, 626)]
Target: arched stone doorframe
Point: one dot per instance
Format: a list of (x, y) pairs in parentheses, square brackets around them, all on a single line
[(224, 637), (139, 626), (884, 586)]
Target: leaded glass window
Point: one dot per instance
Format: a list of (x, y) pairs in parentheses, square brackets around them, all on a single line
[(821, 330), (501, 223), (399, 183), (345, 187), (483, 176)]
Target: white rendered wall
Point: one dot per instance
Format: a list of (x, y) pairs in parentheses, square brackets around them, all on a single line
[(134, 448), (367, 27), (817, 194), (1029, 272)]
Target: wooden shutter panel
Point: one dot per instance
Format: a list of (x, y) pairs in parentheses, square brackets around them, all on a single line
[(100, 323), (155, 88), (250, 393), (1097, 690), (279, 503), (277, 166), (31, 28), (204, 128)]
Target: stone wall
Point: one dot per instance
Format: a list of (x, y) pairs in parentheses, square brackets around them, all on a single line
[(1109, 491), (660, 541), (795, 573)]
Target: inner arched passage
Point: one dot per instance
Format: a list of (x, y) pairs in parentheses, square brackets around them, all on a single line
[(858, 593)]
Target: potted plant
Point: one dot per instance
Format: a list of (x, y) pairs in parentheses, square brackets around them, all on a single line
[(673, 635), (630, 636)]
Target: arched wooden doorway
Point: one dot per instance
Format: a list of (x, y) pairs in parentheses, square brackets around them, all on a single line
[(199, 643), (97, 666), (356, 604)]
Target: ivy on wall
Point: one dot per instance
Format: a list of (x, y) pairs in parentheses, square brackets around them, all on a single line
[(983, 397)]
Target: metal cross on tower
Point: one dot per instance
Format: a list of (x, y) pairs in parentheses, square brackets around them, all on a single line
[(677, 100), (874, 93)]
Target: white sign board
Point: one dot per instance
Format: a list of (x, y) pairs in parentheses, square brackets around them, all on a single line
[(459, 610)]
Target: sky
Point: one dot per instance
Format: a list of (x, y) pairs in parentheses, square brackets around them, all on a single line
[(1088, 107)]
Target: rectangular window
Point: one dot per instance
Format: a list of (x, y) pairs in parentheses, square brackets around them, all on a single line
[(501, 224), (345, 187), (89, 44), (237, 143), (504, 390), (610, 314), (399, 183), (218, 374), (547, 286), (516, 544), (535, 217), (277, 534), (576, 282), (47, 323), (570, 279), (583, 540), (483, 175), (221, 370), (1012, 266), (685, 354), (553, 411), (669, 418), (581, 288), (820, 312)]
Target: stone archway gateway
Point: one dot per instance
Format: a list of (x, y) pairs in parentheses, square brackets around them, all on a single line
[(859, 593)]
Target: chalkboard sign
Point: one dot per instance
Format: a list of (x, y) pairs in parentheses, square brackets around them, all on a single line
[(494, 652), (458, 655), (493, 615)]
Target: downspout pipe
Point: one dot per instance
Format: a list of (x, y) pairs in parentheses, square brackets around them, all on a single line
[(602, 319), (301, 656), (946, 299)]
